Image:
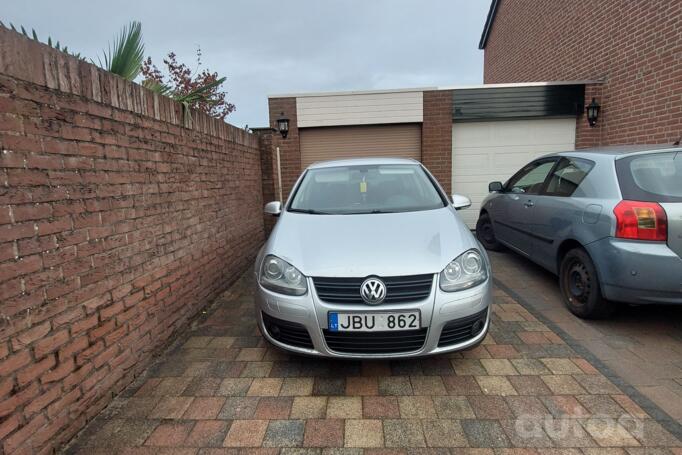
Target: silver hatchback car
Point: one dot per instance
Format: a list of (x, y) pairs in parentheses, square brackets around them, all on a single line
[(607, 221), (369, 259)]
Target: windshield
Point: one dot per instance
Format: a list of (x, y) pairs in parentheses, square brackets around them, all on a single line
[(385, 188), (654, 177)]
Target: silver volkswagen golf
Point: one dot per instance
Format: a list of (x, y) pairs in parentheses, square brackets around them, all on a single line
[(369, 259)]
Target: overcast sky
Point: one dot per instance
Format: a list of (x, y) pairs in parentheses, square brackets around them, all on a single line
[(272, 47)]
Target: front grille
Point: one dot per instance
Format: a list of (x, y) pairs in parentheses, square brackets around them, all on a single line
[(399, 289), (286, 332), (375, 342), (461, 330)]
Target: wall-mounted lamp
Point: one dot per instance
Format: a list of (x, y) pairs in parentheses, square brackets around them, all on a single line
[(592, 112), (283, 125)]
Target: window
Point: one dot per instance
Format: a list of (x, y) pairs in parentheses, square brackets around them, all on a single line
[(651, 177), (363, 189), (531, 178), (567, 176)]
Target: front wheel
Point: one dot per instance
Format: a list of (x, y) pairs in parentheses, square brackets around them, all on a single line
[(485, 233), (580, 286)]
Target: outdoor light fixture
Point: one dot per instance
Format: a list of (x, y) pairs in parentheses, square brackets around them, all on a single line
[(592, 112), (283, 126)]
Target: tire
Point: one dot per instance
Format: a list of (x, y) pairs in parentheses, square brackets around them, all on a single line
[(486, 235), (580, 287)]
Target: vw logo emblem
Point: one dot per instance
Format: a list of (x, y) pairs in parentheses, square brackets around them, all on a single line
[(373, 291)]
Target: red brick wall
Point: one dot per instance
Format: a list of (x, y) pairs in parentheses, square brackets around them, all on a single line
[(634, 46), (117, 224), (437, 136), (289, 148)]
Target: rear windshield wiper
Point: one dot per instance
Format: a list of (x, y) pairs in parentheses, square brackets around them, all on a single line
[(309, 211)]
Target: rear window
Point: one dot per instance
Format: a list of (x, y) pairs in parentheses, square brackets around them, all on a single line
[(653, 177)]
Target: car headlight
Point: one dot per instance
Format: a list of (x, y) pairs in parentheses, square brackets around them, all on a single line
[(279, 276), (466, 271)]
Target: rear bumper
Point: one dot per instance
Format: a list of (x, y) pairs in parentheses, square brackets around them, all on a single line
[(637, 271)]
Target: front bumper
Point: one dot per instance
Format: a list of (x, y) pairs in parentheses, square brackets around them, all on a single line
[(638, 272), (437, 310)]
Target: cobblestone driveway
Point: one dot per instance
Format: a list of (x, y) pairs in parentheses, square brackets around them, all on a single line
[(223, 390)]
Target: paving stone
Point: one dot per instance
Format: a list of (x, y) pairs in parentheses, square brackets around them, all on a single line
[(563, 385), (204, 408), (324, 433), (170, 408), (246, 433), (485, 433), (169, 434), (444, 433), (344, 408), (234, 386), (498, 367), (309, 407), (202, 387), (452, 407), (602, 405), (256, 370), (495, 385), (596, 384), (297, 387), (284, 433), (530, 367), (609, 433), (364, 433), (561, 366), (503, 351), (265, 387), (526, 406), (362, 385), (416, 407), (207, 433), (239, 408), (269, 408), (329, 386), (468, 367), (529, 385), (395, 385), (461, 385), (490, 407), (380, 407), (403, 433), (427, 385)]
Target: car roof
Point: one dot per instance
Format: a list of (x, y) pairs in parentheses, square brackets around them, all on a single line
[(362, 161), (617, 151)]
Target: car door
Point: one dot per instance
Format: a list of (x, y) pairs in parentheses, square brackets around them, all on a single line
[(558, 209), (513, 227)]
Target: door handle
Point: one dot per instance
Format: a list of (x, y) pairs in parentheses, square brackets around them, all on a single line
[(528, 204)]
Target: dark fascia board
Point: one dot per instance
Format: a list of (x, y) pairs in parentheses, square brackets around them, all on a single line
[(488, 23)]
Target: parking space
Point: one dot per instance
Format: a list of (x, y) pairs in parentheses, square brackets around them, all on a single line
[(640, 344), (222, 389)]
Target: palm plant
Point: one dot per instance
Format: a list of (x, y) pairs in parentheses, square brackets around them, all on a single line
[(34, 37), (125, 58)]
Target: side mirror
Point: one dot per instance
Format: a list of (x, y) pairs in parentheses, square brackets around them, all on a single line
[(460, 202), (273, 208), (495, 187)]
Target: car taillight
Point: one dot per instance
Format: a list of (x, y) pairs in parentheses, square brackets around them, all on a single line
[(641, 221)]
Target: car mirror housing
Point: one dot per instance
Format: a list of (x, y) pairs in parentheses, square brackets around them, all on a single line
[(495, 187), (273, 208), (460, 202)]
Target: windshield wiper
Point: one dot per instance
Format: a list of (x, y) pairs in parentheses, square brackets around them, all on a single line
[(309, 211)]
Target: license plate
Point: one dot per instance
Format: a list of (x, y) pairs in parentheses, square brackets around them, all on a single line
[(374, 322)]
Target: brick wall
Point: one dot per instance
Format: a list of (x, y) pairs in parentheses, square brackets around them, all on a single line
[(635, 47), (437, 136), (289, 148), (117, 224)]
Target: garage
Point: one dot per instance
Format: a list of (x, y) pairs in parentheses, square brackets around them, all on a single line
[(486, 151), (328, 143)]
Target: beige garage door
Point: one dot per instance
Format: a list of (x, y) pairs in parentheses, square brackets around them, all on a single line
[(329, 143), (486, 151)]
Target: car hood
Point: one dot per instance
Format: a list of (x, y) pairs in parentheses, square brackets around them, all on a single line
[(389, 244)]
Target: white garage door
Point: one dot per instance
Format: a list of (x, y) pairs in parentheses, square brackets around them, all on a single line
[(483, 152), (332, 143)]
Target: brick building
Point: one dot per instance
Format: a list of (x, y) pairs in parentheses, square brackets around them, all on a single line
[(544, 62)]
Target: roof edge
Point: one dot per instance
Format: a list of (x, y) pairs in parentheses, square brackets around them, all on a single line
[(492, 12)]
